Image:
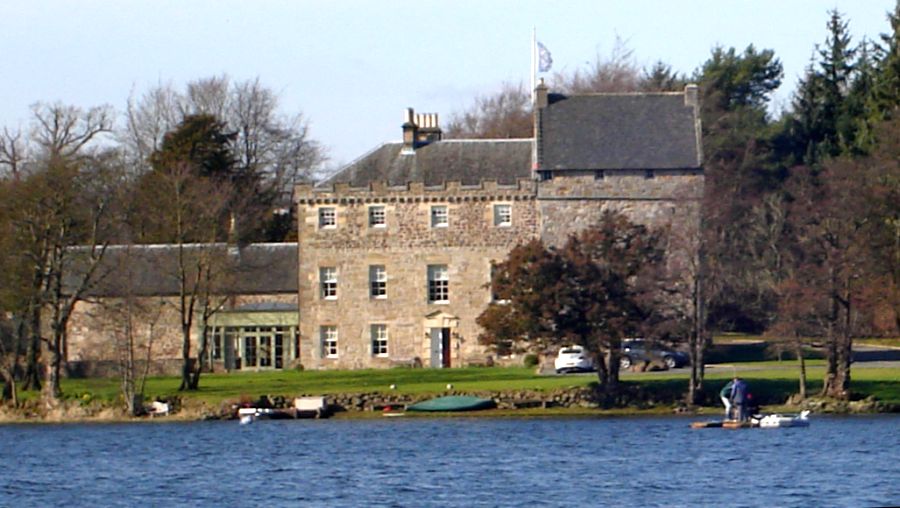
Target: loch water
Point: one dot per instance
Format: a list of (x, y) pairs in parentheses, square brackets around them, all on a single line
[(420, 462)]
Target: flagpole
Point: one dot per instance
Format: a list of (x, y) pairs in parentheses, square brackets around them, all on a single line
[(533, 97)]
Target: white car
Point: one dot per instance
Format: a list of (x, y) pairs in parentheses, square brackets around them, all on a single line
[(573, 359)]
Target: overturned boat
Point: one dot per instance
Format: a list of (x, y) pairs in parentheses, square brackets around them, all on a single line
[(453, 403)]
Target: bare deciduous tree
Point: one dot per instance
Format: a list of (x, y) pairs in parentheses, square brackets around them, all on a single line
[(276, 147), (58, 200), (65, 131), (133, 322), (183, 209), (504, 114), (13, 154), (619, 72)]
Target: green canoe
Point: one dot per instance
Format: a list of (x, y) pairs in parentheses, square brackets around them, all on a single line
[(452, 403)]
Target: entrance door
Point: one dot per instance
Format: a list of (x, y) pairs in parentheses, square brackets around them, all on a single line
[(440, 347)]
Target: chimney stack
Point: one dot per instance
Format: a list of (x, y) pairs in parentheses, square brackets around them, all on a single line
[(409, 131), (540, 95), (419, 129), (541, 101), (429, 131)]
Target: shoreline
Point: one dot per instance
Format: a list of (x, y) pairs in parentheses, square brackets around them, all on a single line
[(201, 412)]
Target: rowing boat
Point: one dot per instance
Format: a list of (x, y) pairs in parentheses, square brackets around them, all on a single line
[(453, 403)]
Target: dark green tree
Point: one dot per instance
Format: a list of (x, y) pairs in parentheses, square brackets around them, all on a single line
[(824, 123), (193, 162), (202, 143), (661, 78), (862, 107), (887, 81), (732, 81)]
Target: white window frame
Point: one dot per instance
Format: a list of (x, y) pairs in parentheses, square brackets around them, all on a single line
[(328, 335), (327, 217), (378, 281), (440, 216), (328, 282), (502, 219), (379, 334), (438, 284), (377, 216)]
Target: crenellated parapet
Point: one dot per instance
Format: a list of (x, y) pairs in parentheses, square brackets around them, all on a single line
[(414, 192)]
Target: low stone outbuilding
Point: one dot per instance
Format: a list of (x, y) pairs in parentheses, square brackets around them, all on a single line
[(249, 296)]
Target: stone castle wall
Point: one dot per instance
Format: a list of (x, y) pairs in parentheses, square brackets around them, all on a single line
[(550, 210), (573, 201), (406, 246)]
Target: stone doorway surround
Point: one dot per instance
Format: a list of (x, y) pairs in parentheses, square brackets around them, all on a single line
[(441, 344)]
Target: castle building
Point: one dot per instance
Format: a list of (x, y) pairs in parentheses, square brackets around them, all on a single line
[(396, 249), (393, 260)]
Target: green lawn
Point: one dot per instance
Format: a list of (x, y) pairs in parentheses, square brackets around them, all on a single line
[(217, 387), (772, 383)]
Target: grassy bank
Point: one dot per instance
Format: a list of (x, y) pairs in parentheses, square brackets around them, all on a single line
[(771, 382)]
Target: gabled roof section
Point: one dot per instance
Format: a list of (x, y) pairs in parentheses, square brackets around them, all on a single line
[(152, 270), (620, 131), (469, 162)]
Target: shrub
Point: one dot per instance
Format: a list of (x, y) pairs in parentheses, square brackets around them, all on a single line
[(530, 360)]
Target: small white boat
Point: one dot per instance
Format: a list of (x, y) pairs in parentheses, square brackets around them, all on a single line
[(248, 415), (778, 420)]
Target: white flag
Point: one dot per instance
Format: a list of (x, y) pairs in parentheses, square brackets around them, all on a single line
[(544, 58)]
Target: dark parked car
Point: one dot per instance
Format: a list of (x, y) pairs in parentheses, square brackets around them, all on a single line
[(640, 350)]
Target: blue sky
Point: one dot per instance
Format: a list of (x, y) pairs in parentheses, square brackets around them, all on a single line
[(353, 66)]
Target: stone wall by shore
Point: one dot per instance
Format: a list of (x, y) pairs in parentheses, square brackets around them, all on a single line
[(77, 410)]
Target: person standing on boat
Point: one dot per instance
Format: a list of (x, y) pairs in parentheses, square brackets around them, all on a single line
[(734, 396)]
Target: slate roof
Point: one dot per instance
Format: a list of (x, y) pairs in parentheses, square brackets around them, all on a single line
[(619, 131), (150, 270), (586, 132), (466, 161)]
